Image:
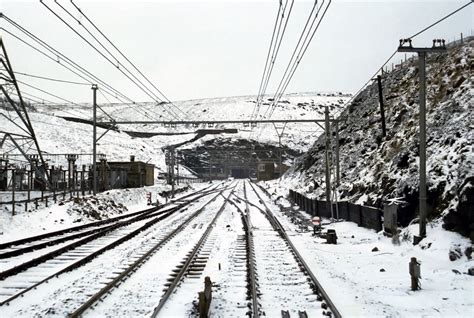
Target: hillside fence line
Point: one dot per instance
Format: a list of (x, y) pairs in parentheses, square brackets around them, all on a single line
[(365, 216)]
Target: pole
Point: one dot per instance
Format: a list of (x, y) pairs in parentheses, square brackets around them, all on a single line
[(177, 169), (94, 140), (438, 47), (328, 175), (338, 174), (13, 190), (382, 112), (172, 172), (422, 63)]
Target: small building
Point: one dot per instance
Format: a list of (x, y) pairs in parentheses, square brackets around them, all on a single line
[(132, 174), (265, 170)]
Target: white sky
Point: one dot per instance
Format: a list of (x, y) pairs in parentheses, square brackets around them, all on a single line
[(198, 49)]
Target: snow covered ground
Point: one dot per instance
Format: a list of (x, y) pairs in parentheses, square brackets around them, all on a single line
[(368, 283), (67, 213)]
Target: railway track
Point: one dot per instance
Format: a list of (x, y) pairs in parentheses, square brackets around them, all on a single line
[(24, 245), (21, 278), (159, 272), (298, 291), (161, 242)]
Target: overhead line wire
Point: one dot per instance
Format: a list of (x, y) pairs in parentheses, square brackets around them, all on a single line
[(267, 59), (46, 92), (123, 55), (396, 50), (72, 63), (64, 57), (51, 79), (298, 43), (137, 83), (277, 48), (301, 54)]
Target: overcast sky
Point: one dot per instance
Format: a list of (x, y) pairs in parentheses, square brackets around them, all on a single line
[(199, 49)]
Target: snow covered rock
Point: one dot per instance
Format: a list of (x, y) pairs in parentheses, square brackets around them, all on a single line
[(379, 168)]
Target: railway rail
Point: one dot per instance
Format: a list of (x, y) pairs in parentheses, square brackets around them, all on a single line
[(82, 251), (267, 274), (329, 309)]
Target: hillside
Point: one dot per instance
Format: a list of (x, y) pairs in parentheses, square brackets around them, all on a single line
[(58, 136), (376, 169)]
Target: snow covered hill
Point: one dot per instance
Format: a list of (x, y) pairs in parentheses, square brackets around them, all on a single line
[(375, 169), (57, 135)]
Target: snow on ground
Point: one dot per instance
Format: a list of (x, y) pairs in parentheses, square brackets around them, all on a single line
[(367, 283), (66, 213)]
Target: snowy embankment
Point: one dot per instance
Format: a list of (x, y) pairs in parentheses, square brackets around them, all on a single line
[(378, 168)]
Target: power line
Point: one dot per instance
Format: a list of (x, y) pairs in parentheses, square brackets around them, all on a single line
[(70, 62), (300, 55), (123, 55), (277, 46), (40, 99), (144, 113), (52, 79), (46, 92), (267, 59), (61, 57), (303, 32), (137, 82), (395, 52), (273, 50)]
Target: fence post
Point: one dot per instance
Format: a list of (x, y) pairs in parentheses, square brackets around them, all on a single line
[(13, 191), (205, 298)]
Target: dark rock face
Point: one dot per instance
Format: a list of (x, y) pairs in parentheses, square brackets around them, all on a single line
[(461, 219), (385, 168)]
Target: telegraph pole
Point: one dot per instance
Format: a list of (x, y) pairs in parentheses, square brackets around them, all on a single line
[(338, 172), (94, 139), (328, 174), (382, 111), (438, 47)]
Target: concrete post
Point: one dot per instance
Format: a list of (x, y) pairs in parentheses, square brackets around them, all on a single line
[(328, 173), (422, 61), (382, 111), (94, 139), (338, 172)]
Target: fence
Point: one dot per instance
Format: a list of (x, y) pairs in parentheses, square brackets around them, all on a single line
[(365, 216)]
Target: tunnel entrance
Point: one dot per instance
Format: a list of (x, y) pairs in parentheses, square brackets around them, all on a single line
[(240, 173)]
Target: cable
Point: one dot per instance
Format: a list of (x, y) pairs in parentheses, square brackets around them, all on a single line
[(301, 53), (123, 55), (118, 63), (138, 83), (48, 93), (51, 79), (50, 49), (396, 51), (266, 61), (277, 48), (273, 52), (41, 100), (290, 65), (59, 55)]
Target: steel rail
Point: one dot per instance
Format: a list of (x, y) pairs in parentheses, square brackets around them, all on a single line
[(101, 232), (251, 262), (190, 258), (279, 228), (91, 256), (134, 266), (93, 224)]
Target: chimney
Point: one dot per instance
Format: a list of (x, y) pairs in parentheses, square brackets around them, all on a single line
[(132, 158)]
